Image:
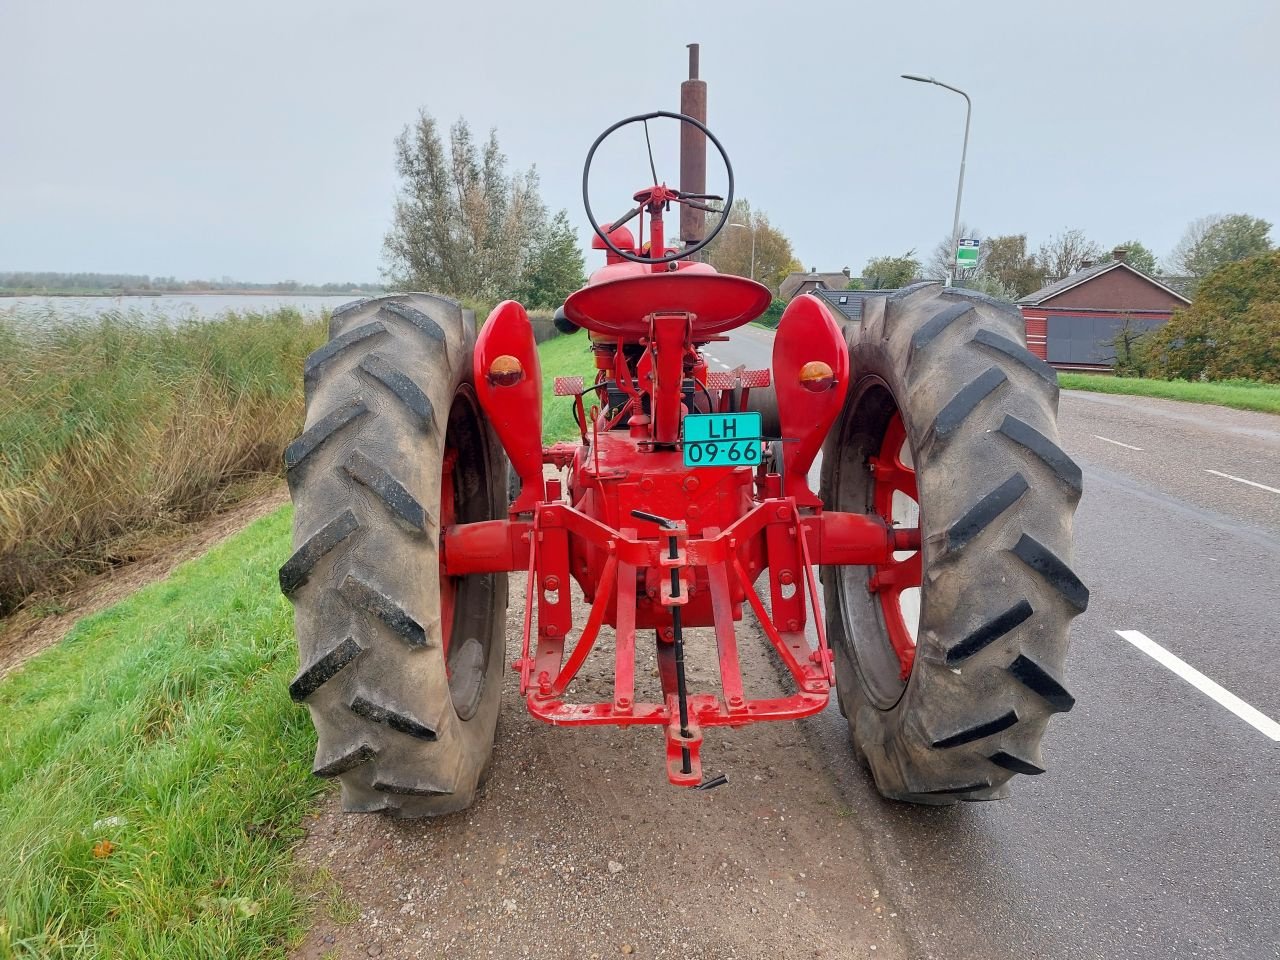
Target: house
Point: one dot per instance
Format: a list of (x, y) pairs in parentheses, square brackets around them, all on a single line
[(1073, 322), (848, 303), (797, 283)]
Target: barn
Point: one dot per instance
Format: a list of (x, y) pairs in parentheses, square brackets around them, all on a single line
[(1073, 322)]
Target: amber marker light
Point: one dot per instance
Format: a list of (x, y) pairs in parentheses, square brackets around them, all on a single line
[(816, 376), (505, 371)]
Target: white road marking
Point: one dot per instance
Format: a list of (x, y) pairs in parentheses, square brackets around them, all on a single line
[(1226, 698), (1117, 442), (1260, 486), (723, 366)]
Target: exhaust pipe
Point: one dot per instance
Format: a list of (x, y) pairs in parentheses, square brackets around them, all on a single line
[(693, 150)]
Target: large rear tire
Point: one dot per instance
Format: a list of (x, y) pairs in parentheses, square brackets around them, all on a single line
[(951, 411), (401, 667)]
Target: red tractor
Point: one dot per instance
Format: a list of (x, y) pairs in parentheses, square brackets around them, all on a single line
[(942, 527)]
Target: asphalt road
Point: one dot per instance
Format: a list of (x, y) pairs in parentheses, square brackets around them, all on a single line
[(1155, 833)]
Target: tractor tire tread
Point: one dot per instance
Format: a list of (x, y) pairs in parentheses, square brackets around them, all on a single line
[(297, 453), (1065, 470), (298, 567), (320, 359), (399, 503), (402, 388), (985, 511), (366, 597), (324, 669)]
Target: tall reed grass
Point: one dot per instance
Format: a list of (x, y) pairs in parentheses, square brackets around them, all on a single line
[(114, 426)]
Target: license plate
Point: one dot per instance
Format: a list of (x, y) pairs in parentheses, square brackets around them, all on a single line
[(722, 439)]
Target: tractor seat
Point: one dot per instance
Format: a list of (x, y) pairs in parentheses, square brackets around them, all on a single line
[(619, 309)]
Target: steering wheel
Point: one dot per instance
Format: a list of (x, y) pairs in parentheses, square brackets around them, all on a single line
[(659, 193)]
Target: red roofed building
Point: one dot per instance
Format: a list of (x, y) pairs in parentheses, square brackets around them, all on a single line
[(1073, 322)]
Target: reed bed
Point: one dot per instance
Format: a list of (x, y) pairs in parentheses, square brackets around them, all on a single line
[(113, 428)]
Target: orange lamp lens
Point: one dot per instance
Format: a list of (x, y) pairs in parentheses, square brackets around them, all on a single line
[(816, 376), (505, 371)]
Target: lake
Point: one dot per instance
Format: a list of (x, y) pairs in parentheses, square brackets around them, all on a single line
[(169, 306)]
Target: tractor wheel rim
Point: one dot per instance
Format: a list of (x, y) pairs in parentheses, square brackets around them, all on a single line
[(896, 583), (448, 517), (465, 602)]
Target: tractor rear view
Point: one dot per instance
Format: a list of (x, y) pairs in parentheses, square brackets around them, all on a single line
[(941, 531)]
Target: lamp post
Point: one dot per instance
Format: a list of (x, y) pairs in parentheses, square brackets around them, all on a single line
[(968, 108), (752, 228)]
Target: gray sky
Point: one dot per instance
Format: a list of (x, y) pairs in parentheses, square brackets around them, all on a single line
[(255, 139)]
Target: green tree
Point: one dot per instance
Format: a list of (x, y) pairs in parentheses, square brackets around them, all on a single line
[(1212, 241), (1008, 261), (890, 273), (1232, 329), (730, 251), (555, 265), (1138, 255), (462, 225)]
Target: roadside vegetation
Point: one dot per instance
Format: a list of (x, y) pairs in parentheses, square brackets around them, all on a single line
[(115, 429), (1240, 394)]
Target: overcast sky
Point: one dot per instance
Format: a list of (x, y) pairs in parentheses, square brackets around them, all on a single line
[(254, 139)]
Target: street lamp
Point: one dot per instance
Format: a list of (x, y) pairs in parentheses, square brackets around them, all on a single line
[(752, 228), (955, 223)]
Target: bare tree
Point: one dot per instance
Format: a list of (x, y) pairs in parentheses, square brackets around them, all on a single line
[(1064, 253), (938, 266)]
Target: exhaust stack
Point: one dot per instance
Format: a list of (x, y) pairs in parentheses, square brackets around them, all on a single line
[(693, 150)]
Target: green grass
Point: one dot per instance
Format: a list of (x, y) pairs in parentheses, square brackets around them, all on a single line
[(153, 771), (1240, 394), (567, 356), (113, 426)]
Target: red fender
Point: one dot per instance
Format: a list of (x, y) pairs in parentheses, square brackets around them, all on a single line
[(514, 409), (807, 333)]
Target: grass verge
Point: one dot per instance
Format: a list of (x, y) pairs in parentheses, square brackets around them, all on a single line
[(566, 356), (154, 771), (1239, 394), (115, 428)]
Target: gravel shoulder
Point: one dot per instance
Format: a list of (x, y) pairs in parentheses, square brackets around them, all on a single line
[(578, 847)]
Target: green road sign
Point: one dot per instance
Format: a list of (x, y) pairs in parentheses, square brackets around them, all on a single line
[(967, 254), (722, 439)]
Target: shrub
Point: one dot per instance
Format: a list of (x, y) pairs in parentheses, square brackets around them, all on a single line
[(1231, 330)]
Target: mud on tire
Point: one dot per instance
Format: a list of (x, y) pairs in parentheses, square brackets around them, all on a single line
[(403, 694), (996, 496)]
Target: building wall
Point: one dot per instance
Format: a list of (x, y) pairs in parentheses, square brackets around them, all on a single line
[(1038, 321), (1037, 330)]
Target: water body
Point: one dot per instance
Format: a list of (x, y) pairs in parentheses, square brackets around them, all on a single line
[(170, 307)]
